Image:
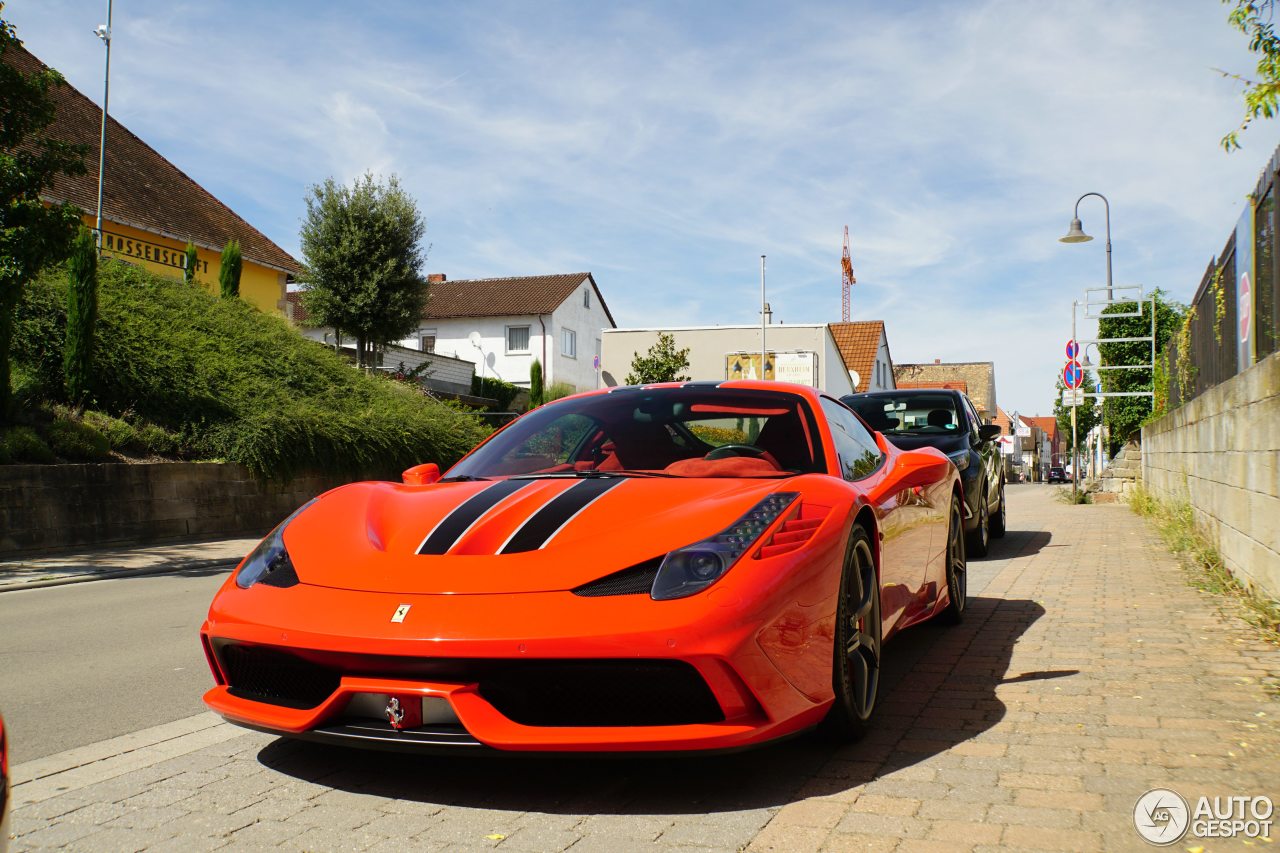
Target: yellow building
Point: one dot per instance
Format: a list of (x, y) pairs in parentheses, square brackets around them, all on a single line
[(151, 209)]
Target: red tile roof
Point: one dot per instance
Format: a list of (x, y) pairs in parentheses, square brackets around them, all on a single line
[(490, 297), (1048, 425), (858, 344), (503, 297), (141, 188)]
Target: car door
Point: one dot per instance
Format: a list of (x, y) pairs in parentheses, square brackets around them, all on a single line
[(904, 517)]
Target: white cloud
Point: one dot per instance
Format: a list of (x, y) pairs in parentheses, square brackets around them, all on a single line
[(666, 147)]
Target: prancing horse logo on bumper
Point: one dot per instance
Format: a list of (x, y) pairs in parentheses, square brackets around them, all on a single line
[(401, 612)]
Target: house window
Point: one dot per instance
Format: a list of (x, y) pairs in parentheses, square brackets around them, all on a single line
[(517, 338), (427, 343), (570, 343), (586, 298)]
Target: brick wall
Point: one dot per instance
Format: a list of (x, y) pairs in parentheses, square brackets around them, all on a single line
[(1221, 452), (44, 507), (978, 376)]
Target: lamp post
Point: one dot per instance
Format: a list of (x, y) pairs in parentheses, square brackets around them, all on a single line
[(1075, 234), (103, 32)]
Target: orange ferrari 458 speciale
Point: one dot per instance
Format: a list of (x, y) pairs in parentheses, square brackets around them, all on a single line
[(683, 566)]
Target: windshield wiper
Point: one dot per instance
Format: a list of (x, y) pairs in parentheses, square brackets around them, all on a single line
[(462, 478)]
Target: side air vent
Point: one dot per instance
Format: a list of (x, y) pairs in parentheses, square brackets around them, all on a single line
[(792, 535), (633, 581)]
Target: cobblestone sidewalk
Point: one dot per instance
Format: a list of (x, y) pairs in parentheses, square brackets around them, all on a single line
[(1087, 673)]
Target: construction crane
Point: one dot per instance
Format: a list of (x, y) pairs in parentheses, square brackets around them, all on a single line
[(847, 278)]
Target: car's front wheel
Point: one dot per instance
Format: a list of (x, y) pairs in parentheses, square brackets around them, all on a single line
[(998, 520), (978, 537), (855, 675), (957, 567)]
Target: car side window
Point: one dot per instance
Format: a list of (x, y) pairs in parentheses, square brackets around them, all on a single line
[(972, 414), (859, 455)]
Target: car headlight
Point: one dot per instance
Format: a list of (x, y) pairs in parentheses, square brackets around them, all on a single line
[(269, 563), (961, 458), (695, 567)]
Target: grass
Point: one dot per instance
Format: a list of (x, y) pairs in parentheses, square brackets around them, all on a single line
[(1067, 496), (1175, 520), (219, 380)]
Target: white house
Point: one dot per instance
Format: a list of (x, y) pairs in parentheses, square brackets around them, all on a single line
[(838, 358), (557, 319)]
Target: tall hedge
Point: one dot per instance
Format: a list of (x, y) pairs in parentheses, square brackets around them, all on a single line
[(536, 387), (82, 316), (235, 383), (189, 268), (229, 274)]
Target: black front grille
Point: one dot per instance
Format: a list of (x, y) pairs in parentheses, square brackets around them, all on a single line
[(275, 677), (633, 581), (601, 693)]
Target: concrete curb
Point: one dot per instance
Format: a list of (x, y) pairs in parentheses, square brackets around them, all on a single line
[(108, 574)]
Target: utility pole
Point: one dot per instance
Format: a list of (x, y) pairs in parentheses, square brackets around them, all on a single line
[(104, 33), (764, 351)]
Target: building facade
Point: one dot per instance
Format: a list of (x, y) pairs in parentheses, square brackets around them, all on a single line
[(151, 209), (978, 378)]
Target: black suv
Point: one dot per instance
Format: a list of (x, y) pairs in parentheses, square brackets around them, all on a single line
[(947, 420)]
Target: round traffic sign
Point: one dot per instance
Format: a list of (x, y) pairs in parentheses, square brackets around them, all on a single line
[(1073, 350), (1073, 374)]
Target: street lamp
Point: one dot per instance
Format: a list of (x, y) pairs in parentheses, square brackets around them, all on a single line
[(1075, 233), (103, 31)]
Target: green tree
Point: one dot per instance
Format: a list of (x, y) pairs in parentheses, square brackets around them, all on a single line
[(361, 246), (229, 270), (189, 267), (663, 363), (32, 234), (1124, 415), (1254, 18), (82, 316), (1087, 415), (536, 389)]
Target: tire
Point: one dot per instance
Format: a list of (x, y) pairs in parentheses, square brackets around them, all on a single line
[(979, 537), (855, 671), (957, 570), (998, 520)]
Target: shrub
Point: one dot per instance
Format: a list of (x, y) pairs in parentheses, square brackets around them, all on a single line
[(23, 444), (77, 441), (560, 389), (537, 392), (230, 382), (495, 389), (229, 270), (82, 315), (120, 434)]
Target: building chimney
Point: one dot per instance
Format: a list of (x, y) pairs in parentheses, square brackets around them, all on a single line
[(937, 361), (768, 313), (436, 278)]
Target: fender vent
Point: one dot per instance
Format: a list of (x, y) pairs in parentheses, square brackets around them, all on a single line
[(794, 532), (633, 581)]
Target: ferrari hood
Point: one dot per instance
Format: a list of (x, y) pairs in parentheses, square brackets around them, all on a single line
[(506, 536)]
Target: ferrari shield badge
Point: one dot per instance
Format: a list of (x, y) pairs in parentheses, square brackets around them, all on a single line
[(401, 612)]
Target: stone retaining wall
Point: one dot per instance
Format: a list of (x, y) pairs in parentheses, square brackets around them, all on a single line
[(1221, 452), (47, 507)]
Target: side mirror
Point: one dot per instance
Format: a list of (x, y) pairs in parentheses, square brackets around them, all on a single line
[(421, 475), (913, 468), (989, 432)]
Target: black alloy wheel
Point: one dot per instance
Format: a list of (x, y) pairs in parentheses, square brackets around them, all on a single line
[(978, 539), (998, 520), (957, 567), (855, 675)]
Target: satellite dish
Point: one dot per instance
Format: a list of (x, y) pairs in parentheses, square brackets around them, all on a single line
[(474, 337), (855, 379)]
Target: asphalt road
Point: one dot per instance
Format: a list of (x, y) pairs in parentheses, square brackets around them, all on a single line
[(90, 661)]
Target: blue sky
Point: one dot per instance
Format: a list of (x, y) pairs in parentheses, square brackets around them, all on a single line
[(666, 146)]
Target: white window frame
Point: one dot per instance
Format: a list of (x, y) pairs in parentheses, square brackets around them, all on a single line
[(569, 343), (423, 334), (586, 297), (506, 339)]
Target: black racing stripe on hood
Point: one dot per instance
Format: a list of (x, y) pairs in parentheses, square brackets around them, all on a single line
[(458, 522), (546, 522)]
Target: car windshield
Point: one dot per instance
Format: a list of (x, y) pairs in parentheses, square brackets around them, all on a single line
[(910, 412), (656, 432)]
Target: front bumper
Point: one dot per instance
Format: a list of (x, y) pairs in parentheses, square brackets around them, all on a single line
[(730, 642)]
